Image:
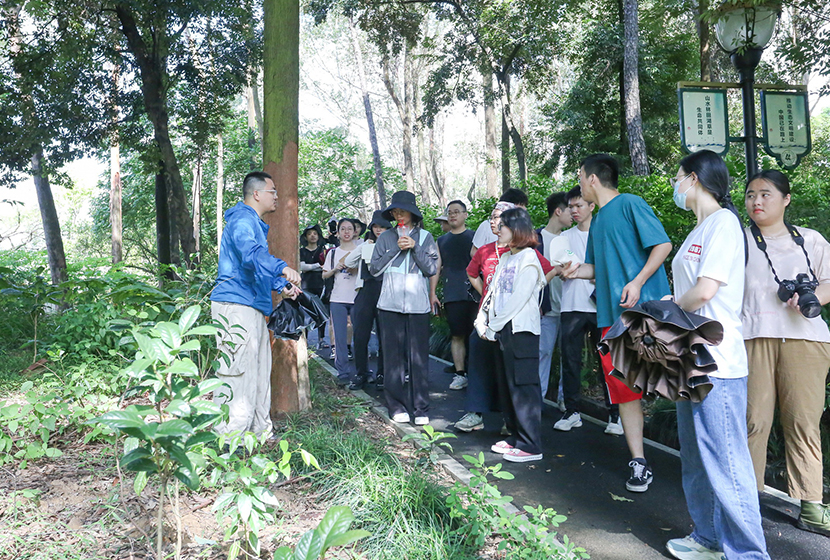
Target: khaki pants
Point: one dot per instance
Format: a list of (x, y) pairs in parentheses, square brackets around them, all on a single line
[(245, 367), (792, 373)]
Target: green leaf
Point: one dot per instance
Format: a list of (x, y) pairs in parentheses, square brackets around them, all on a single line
[(283, 553), (244, 504), (140, 482), (135, 455), (178, 407), (309, 547), (119, 419), (337, 520), (209, 385), (202, 330), (188, 477), (178, 454), (191, 346), (174, 428), (347, 538), (234, 550), (26, 387), (199, 438), (189, 317), (169, 334), (619, 498), (184, 366)]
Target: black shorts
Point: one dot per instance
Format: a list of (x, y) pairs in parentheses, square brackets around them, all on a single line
[(460, 317)]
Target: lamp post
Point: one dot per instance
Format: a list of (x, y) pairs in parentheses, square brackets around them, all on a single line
[(744, 32)]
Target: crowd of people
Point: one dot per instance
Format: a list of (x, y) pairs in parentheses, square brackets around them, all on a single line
[(511, 293)]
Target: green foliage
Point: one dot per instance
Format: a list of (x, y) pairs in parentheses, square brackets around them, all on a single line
[(481, 510), (429, 445), (333, 531)]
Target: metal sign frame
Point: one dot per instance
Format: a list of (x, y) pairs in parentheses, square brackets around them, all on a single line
[(725, 116), (788, 158)]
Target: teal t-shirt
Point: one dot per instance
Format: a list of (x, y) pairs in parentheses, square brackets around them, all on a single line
[(619, 244)]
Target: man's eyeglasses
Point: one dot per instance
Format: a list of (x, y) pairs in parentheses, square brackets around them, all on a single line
[(494, 218), (272, 191), (455, 212)]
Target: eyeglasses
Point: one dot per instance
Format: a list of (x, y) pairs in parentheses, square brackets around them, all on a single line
[(674, 183), (272, 191), (494, 218), (455, 212)]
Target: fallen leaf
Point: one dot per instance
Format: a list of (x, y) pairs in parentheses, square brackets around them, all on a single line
[(665, 528), (619, 498)]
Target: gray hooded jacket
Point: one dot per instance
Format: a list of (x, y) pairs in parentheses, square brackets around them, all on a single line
[(405, 273)]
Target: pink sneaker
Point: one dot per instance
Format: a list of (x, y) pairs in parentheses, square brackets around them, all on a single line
[(501, 447), (518, 456)]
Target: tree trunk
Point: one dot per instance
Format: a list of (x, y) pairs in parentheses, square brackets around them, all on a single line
[(115, 202), (152, 66), (290, 390), (162, 225), (220, 191), (505, 155), (703, 29), (49, 218), (370, 120), (196, 201), (509, 127), (436, 150), (403, 107), (491, 149), (423, 155), (633, 115)]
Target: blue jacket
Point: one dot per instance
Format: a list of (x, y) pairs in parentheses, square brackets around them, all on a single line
[(247, 271)]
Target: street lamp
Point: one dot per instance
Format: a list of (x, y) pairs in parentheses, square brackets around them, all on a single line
[(744, 32)]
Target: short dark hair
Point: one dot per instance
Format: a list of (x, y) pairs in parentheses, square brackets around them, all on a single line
[(253, 181), (346, 220), (605, 167), (519, 222), (516, 196), (574, 193), (774, 178), (461, 204), (556, 200)]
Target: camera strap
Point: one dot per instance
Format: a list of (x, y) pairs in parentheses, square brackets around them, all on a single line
[(762, 245)]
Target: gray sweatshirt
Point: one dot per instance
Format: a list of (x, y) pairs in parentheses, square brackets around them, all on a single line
[(406, 273)]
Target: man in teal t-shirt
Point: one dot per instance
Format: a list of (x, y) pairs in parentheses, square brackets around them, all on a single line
[(626, 249)]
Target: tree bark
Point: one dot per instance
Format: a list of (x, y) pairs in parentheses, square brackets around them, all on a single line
[(491, 149), (115, 202), (403, 107), (49, 218), (152, 66), (370, 120), (196, 201), (220, 191), (290, 390), (436, 149), (703, 30), (162, 225), (633, 115), (505, 155), (423, 155)]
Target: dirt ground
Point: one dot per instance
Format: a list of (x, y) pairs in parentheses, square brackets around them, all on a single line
[(84, 508)]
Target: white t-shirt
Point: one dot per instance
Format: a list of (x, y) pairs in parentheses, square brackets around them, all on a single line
[(484, 235), (556, 282), (344, 290), (715, 249), (576, 294)]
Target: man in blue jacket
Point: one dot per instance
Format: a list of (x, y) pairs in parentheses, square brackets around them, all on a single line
[(241, 302)]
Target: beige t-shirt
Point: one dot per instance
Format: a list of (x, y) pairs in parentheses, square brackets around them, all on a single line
[(766, 316)]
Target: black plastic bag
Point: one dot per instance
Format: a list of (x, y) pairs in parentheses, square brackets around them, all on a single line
[(292, 317)]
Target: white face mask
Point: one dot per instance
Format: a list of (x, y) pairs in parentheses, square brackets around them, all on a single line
[(680, 197)]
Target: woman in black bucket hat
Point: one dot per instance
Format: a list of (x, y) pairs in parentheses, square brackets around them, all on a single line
[(407, 256), (312, 251)]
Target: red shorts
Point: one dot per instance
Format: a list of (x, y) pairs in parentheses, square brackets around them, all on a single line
[(617, 390)]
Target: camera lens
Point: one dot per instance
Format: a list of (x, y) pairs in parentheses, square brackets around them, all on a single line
[(809, 305)]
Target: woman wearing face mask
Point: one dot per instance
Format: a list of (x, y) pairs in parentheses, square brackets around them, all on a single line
[(342, 296), (787, 342), (407, 256), (718, 479)]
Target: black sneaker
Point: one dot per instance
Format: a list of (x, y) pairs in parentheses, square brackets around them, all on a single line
[(641, 476), (349, 349), (379, 381), (358, 384)]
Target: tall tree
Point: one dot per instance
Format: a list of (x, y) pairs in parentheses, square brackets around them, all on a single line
[(290, 390), (491, 148), (633, 114)]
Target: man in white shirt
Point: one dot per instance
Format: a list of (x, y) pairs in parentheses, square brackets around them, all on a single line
[(578, 318), (558, 218), (483, 234)]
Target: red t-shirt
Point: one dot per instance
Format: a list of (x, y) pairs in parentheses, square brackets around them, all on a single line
[(484, 262)]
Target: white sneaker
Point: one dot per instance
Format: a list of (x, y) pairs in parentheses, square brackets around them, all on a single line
[(689, 549), (614, 427), (401, 418), (458, 382), (421, 420), (572, 420)]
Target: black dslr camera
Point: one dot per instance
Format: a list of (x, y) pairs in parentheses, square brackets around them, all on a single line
[(806, 290)]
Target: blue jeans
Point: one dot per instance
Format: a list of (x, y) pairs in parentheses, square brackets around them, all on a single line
[(718, 478), (547, 340), (340, 312)]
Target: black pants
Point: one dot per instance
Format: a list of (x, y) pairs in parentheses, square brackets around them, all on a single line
[(405, 339), (517, 375), (574, 325), (482, 390), (364, 314)]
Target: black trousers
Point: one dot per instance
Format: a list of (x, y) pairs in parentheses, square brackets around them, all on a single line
[(517, 375), (405, 339), (364, 314), (574, 325)]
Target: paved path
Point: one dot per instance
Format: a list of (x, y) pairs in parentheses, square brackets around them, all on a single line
[(582, 472)]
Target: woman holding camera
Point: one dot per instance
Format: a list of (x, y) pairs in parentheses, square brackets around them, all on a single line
[(787, 342), (716, 465)]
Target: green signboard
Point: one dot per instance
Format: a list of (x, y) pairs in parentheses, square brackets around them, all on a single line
[(786, 123), (704, 122)]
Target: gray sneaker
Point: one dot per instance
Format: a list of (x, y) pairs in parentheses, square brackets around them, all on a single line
[(568, 421), (458, 382), (470, 422), (689, 549)]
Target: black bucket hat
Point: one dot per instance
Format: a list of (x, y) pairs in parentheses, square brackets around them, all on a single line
[(315, 227), (377, 218), (404, 200)]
